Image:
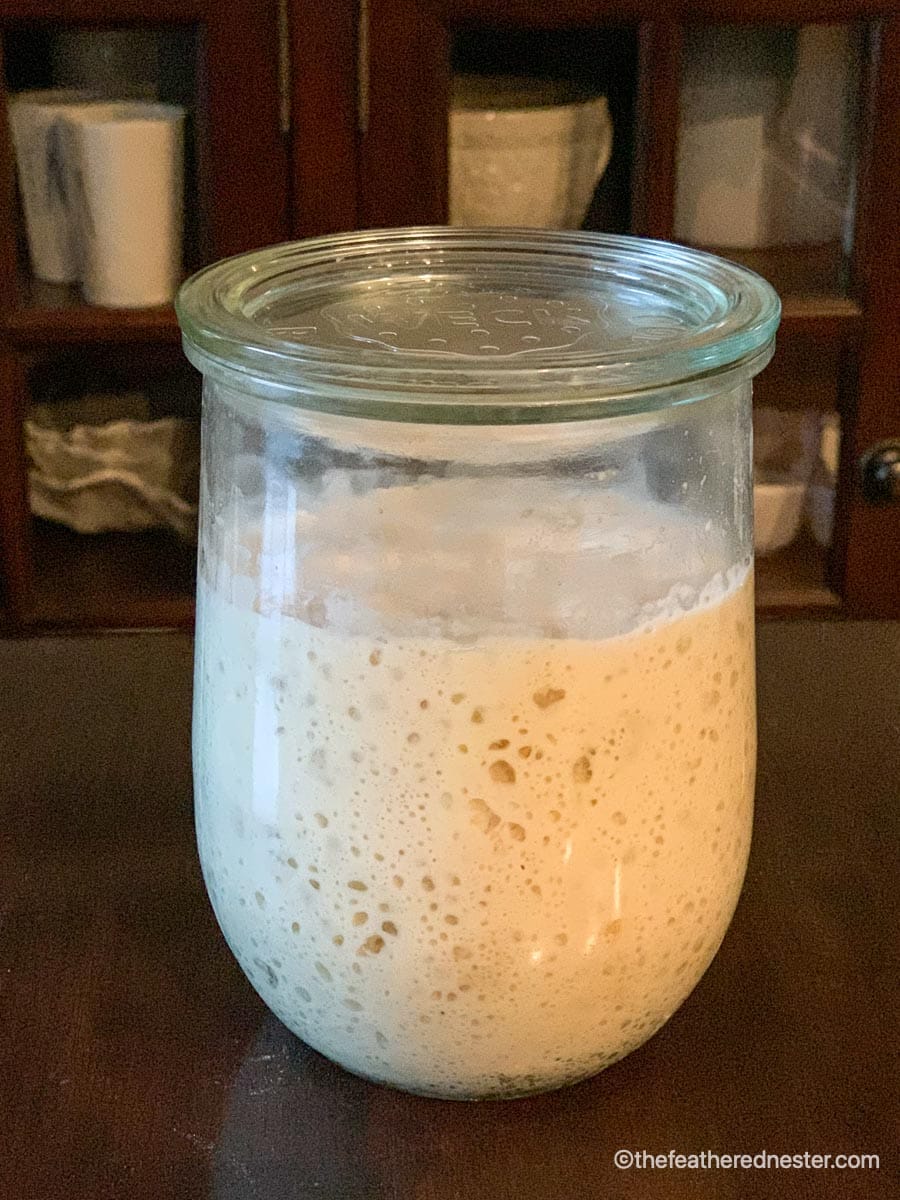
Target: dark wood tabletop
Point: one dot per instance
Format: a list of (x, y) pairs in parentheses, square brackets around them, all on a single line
[(137, 1062)]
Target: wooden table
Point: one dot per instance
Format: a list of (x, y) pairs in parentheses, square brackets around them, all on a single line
[(136, 1062)]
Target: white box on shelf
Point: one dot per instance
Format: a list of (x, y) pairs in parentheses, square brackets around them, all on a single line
[(777, 508), (766, 148)]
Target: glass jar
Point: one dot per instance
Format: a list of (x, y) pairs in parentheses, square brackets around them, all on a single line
[(475, 730)]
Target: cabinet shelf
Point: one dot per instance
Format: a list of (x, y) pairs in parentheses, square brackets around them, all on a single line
[(140, 580), (55, 314), (813, 283), (811, 280), (111, 580), (794, 580)]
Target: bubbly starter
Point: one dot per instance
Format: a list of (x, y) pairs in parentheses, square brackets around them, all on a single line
[(480, 840)]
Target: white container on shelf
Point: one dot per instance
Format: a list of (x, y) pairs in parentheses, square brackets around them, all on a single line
[(48, 219), (785, 445), (124, 175), (820, 512), (777, 508), (731, 91), (811, 186), (766, 142), (525, 151)]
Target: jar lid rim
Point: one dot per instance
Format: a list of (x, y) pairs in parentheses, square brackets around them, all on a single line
[(439, 318)]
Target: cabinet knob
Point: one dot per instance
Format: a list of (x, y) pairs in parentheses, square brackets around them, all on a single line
[(880, 473)]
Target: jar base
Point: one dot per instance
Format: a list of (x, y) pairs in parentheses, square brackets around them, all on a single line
[(518, 1088)]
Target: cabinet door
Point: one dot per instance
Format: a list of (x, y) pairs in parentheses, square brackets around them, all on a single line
[(773, 144), (787, 146), (867, 533), (247, 113)]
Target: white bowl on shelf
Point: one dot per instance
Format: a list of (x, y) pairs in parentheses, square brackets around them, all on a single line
[(777, 509), (525, 151)]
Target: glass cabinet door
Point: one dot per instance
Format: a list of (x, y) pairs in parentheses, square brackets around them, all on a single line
[(767, 156), (766, 143)]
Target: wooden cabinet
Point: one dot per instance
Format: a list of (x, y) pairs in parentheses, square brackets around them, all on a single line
[(224, 64), (310, 116)]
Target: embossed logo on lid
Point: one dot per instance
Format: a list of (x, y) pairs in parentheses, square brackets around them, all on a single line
[(467, 322), (478, 325)]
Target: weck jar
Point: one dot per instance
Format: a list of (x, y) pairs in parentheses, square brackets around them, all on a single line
[(474, 731)]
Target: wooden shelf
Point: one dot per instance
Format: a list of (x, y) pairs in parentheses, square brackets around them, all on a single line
[(813, 282), (112, 580), (799, 271), (793, 581), (820, 324), (56, 314), (140, 580)]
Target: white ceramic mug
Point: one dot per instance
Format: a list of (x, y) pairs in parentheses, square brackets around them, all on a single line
[(48, 223), (525, 152)]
